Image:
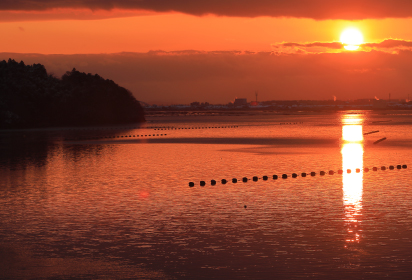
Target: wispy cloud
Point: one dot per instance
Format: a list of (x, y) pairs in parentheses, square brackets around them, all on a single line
[(83, 13), (316, 9), (388, 45), (308, 47)]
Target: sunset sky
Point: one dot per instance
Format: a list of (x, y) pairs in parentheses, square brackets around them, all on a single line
[(180, 51)]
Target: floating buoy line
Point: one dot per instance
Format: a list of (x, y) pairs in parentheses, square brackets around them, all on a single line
[(113, 137), (141, 135), (197, 127), (121, 128), (304, 174), (284, 123), (167, 127)]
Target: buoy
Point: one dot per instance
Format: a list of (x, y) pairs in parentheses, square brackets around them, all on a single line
[(312, 173), (191, 184), (404, 166), (213, 182), (375, 169), (331, 172), (224, 181), (244, 179), (255, 178), (383, 168), (234, 180), (357, 170), (275, 177), (202, 183), (294, 175), (399, 166), (366, 169), (265, 178), (340, 171), (284, 176), (303, 174), (348, 171), (391, 167), (245, 206), (322, 173)]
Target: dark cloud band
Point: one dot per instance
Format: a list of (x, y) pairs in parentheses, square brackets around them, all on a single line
[(328, 45), (316, 9), (388, 44)]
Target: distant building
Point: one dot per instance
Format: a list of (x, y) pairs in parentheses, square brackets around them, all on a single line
[(240, 102), (198, 104)]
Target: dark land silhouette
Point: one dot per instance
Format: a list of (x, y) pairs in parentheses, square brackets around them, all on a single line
[(32, 98)]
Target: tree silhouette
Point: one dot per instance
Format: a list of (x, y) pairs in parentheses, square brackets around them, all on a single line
[(30, 97)]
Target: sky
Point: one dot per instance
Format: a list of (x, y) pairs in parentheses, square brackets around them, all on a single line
[(181, 51)]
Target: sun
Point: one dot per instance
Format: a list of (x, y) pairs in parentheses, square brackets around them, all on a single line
[(351, 38)]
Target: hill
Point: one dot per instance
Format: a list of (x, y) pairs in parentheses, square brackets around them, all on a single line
[(31, 98)]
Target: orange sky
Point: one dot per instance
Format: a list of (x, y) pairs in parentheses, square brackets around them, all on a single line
[(174, 31), (118, 26)]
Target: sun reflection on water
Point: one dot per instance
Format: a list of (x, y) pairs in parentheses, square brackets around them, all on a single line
[(352, 159)]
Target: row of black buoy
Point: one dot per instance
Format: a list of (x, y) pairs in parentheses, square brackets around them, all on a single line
[(112, 137), (290, 123), (304, 174), (121, 128), (205, 127)]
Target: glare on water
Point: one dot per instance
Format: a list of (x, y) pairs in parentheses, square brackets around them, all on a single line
[(352, 182)]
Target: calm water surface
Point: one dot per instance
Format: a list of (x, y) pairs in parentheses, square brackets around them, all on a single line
[(121, 208)]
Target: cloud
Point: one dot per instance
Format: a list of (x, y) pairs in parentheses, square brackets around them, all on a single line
[(388, 45), (330, 45), (218, 77), (312, 47), (67, 13), (316, 9)]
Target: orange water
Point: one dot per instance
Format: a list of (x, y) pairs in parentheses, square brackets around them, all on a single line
[(123, 206)]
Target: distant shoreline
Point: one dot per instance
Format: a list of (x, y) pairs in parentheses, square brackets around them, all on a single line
[(266, 111)]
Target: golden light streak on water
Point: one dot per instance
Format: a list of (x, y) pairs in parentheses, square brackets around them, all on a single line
[(352, 158), (352, 183), (352, 133)]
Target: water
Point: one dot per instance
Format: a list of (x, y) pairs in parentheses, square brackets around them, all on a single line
[(121, 207)]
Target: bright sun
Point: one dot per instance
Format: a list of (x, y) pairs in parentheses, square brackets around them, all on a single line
[(351, 38)]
